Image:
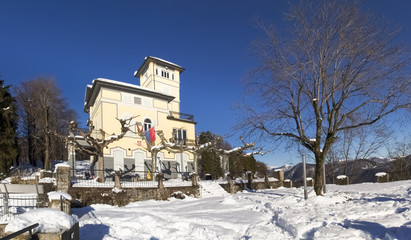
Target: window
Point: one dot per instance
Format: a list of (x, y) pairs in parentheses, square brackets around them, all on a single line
[(148, 102), (130, 98), (180, 136), (137, 100), (147, 124), (165, 74), (127, 98)]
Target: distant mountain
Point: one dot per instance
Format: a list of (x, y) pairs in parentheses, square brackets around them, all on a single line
[(296, 172), (285, 168), (362, 170)]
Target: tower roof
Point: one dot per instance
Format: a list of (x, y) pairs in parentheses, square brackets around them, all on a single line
[(159, 61)]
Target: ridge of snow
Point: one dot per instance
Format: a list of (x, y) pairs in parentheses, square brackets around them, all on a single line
[(164, 61)]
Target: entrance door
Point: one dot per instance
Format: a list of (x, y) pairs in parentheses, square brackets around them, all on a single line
[(118, 160), (139, 162)]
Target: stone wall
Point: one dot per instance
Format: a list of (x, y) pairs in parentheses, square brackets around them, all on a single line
[(124, 196), (237, 187)]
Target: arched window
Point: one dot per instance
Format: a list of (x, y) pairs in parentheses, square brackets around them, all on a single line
[(147, 124)]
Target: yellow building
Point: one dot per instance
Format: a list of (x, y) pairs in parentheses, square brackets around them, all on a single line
[(153, 103)]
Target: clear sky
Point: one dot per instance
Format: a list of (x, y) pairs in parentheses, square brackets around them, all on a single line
[(77, 41)]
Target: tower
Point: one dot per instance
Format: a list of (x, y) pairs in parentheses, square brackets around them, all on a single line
[(162, 76)]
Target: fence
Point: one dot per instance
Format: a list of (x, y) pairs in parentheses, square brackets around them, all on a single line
[(129, 179), (15, 204), (65, 205)]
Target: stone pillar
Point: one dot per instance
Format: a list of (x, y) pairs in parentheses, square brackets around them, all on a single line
[(343, 180), (267, 183), (382, 177), (279, 174), (117, 179), (63, 177), (71, 158), (60, 202), (310, 182), (288, 183), (40, 173)]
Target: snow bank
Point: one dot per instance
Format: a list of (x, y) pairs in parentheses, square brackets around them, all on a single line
[(57, 195), (49, 220), (358, 211)]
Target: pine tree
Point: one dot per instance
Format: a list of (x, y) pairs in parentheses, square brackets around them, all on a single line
[(210, 160), (8, 125)]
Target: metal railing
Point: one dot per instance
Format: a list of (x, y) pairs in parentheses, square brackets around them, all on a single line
[(15, 204), (183, 116), (130, 179), (65, 205), (20, 232)]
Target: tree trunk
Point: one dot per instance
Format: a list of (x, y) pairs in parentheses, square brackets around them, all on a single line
[(195, 163), (154, 168), (47, 165), (47, 152), (100, 167), (318, 180)]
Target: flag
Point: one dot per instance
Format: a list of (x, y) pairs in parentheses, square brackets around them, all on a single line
[(138, 124), (151, 135)]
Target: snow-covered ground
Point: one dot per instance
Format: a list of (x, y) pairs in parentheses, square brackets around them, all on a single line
[(362, 211)]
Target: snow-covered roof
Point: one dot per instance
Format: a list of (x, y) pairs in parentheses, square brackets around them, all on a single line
[(91, 92), (162, 60), (158, 61), (129, 85)]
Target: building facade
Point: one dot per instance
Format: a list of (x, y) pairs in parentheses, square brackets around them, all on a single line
[(154, 103)]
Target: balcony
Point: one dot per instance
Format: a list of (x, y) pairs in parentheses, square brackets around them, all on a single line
[(181, 116)]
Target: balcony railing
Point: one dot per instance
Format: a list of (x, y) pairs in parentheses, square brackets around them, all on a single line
[(182, 116)]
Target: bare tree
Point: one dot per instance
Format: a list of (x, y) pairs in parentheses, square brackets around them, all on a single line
[(354, 145), (400, 168), (44, 116), (337, 68), (97, 141)]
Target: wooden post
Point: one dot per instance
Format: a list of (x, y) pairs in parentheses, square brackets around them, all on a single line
[(324, 180), (249, 174), (305, 178)]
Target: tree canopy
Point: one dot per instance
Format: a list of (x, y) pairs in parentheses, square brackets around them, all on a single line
[(45, 115), (8, 125)]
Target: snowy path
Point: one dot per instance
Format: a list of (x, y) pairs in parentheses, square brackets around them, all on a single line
[(211, 189), (363, 211)]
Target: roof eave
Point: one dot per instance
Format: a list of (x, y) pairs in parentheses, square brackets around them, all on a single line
[(149, 59)]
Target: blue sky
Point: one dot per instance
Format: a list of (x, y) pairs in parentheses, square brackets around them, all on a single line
[(78, 41)]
